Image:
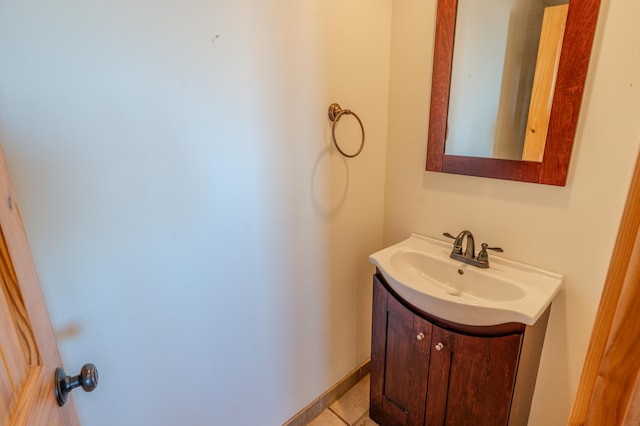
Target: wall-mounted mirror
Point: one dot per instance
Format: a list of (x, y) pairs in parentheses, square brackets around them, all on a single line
[(505, 100)]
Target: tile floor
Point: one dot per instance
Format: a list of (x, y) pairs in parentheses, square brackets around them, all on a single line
[(351, 409)]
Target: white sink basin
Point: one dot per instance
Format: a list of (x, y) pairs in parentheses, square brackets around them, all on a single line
[(420, 270)]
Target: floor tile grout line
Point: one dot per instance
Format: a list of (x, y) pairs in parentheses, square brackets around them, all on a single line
[(340, 417), (337, 410)]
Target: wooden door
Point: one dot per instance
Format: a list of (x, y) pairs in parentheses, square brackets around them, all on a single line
[(28, 350), (399, 361)]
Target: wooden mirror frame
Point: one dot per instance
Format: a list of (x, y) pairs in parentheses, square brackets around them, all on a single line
[(570, 81)]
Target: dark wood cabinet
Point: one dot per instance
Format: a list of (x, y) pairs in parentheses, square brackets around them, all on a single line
[(428, 371)]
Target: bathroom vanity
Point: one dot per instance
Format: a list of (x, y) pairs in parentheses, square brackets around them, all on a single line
[(473, 362), (426, 370)]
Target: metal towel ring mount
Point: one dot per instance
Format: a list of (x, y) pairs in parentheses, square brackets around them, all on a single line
[(335, 113)]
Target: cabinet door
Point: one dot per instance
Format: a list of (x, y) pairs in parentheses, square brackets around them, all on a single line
[(439, 372), (399, 362), (481, 375)]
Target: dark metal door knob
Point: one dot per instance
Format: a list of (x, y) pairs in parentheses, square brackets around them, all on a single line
[(63, 384)]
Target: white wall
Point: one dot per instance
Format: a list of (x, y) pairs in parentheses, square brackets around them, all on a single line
[(570, 230), (184, 204)]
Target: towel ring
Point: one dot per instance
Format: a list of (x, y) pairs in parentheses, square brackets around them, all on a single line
[(335, 112)]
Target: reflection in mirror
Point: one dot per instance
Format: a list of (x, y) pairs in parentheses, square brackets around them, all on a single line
[(503, 75), (552, 112)]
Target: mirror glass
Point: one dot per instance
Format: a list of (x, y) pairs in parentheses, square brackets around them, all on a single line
[(495, 111), (503, 75)]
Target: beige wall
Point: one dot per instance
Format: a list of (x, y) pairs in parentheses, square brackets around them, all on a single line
[(186, 209), (570, 230)]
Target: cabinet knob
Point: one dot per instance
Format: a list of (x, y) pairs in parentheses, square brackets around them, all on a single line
[(439, 346), (420, 336)]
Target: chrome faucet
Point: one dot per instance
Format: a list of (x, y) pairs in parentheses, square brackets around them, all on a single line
[(468, 256), (469, 250)]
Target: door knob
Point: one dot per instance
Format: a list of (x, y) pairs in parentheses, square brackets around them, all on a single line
[(63, 384)]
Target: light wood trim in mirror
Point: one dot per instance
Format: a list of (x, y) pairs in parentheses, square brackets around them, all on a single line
[(572, 71)]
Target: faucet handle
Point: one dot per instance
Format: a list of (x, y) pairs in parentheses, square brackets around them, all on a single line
[(486, 247), (483, 256), (457, 244)]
